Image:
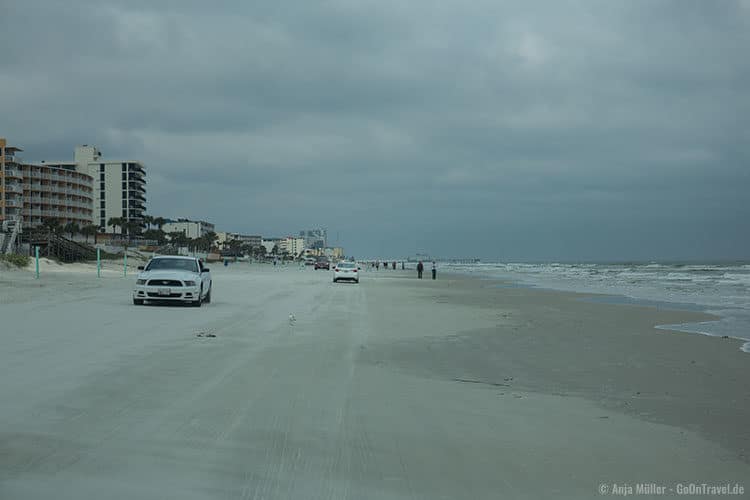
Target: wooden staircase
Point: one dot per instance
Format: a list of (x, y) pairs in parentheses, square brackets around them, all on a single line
[(9, 233), (55, 246)]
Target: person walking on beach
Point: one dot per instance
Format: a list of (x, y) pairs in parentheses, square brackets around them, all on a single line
[(394, 265), (434, 270), (420, 268)]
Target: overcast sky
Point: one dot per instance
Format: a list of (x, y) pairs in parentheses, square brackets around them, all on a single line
[(521, 130)]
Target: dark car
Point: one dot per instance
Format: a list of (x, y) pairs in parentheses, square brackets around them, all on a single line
[(323, 264)]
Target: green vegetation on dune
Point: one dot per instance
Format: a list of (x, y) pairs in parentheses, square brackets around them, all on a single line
[(16, 259)]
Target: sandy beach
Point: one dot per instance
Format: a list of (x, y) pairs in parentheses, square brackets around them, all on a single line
[(458, 388)]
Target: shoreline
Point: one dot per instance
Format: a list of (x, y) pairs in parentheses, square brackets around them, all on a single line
[(622, 299), (551, 342)]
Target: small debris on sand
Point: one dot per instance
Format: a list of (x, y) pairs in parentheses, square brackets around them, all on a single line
[(472, 381)]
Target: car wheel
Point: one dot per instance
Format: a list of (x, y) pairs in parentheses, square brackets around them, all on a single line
[(207, 300), (335, 280), (356, 281), (138, 302), (199, 302)]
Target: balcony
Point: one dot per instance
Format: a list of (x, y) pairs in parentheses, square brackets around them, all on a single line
[(13, 173), (13, 188)]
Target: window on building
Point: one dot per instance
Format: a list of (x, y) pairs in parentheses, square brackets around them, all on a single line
[(124, 185), (101, 195), (101, 186), (101, 205), (101, 176), (101, 167), (123, 167), (124, 176), (124, 203), (103, 214), (125, 213)]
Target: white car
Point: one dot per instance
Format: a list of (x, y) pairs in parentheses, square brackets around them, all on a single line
[(346, 271), (173, 278)]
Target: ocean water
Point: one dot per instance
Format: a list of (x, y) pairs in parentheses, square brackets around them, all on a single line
[(722, 289)]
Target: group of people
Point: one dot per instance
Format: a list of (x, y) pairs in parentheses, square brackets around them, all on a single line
[(420, 270), (376, 265)]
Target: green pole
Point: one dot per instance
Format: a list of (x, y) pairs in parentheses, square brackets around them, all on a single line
[(36, 253), (125, 265), (98, 263)]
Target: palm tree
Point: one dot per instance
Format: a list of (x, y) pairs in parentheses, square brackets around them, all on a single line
[(155, 234), (116, 222), (178, 239), (148, 220), (53, 225), (72, 229), (210, 240), (133, 228), (159, 221), (89, 230)]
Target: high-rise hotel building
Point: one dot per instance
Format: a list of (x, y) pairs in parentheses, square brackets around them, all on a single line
[(119, 186)]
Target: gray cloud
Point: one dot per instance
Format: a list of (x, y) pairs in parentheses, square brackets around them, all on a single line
[(534, 130)]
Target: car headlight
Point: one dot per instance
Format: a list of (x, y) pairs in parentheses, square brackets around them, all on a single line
[(140, 282), (190, 283)]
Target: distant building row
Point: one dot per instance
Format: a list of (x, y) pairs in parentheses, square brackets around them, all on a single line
[(88, 190)]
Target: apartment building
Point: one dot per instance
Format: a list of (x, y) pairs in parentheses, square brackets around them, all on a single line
[(223, 237), (11, 182), (51, 192), (119, 186), (291, 245), (119, 189), (190, 228), (315, 238), (331, 253), (31, 192), (270, 243)]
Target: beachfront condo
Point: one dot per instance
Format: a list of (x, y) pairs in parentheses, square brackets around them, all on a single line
[(119, 186), (33, 192)]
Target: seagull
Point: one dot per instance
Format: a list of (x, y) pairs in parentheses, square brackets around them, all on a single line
[(292, 319)]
